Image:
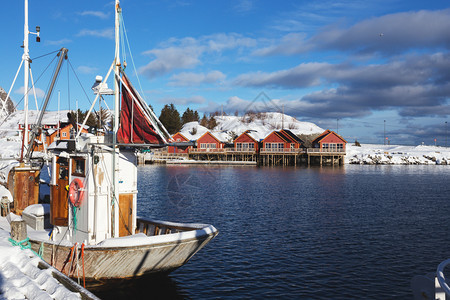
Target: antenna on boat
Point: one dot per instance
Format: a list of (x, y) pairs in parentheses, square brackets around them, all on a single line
[(26, 59)]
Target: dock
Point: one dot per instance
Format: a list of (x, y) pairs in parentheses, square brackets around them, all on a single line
[(264, 157)]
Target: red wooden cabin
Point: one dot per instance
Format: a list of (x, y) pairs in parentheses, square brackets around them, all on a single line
[(51, 135), (209, 142), (178, 139), (330, 141), (246, 142), (281, 141)]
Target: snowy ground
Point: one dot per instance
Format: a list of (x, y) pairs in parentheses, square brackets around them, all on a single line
[(398, 155)]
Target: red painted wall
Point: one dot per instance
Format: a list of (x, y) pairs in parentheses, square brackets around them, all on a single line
[(178, 137), (245, 138), (332, 138), (274, 138), (209, 139)]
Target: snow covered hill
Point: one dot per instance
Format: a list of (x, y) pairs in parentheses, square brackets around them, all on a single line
[(260, 123)]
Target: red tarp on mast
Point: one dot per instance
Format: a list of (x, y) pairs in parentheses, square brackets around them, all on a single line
[(135, 127)]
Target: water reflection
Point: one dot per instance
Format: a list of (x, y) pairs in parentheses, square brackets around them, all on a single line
[(147, 287), (304, 232)]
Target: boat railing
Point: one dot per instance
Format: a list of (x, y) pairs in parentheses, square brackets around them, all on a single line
[(441, 277), (151, 228)]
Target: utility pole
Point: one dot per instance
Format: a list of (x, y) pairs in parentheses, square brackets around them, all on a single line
[(384, 132), (446, 134), (337, 126)]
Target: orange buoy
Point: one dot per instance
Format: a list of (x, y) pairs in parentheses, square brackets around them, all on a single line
[(76, 192)]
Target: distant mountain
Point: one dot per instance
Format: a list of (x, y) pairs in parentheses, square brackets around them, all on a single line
[(260, 123), (10, 107)]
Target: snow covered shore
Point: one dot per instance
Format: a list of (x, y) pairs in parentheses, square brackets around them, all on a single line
[(397, 155)]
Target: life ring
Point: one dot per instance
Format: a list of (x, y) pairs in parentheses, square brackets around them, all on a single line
[(76, 192)]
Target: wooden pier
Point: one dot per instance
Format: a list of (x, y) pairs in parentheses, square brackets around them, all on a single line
[(265, 157)]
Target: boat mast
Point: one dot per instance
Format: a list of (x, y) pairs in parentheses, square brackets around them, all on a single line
[(26, 59), (115, 200)]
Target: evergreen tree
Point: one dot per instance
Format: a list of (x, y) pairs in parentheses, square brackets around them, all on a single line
[(91, 121), (189, 116), (211, 122), (204, 121), (170, 118)]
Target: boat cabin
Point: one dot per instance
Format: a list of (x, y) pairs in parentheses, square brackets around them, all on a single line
[(91, 215)]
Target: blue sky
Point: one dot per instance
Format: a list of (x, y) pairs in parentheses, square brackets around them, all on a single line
[(363, 68)]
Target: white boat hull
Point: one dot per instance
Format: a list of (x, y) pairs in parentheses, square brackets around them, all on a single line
[(129, 257)]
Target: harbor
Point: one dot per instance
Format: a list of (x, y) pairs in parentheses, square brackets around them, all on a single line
[(224, 150), (306, 157)]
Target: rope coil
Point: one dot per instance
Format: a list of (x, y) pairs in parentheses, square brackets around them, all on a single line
[(24, 244)]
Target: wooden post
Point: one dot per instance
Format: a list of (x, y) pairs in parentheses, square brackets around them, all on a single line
[(18, 230)]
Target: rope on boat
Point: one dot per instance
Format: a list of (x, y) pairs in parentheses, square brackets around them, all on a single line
[(41, 249), (24, 244), (82, 261), (74, 221)]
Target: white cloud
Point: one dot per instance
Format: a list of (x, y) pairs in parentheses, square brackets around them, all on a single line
[(400, 32), (303, 75), (98, 14), (188, 52), (170, 59), (58, 42), (184, 101), (104, 33), (244, 6), (87, 69), (39, 93), (189, 79)]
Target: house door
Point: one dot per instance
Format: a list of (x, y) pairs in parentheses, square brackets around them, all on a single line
[(125, 214), (59, 194)]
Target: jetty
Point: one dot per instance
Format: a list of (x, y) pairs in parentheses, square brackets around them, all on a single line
[(264, 157), (278, 148)]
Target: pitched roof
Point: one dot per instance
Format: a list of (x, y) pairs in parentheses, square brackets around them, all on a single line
[(325, 134), (253, 134), (282, 136), (181, 135), (218, 136), (292, 136)]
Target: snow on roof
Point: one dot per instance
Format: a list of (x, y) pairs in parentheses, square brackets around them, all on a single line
[(192, 130), (257, 135)]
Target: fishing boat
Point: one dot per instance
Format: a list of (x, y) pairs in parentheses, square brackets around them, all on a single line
[(93, 230)]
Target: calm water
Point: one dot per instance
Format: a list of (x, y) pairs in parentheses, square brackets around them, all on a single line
[(335, 233)]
